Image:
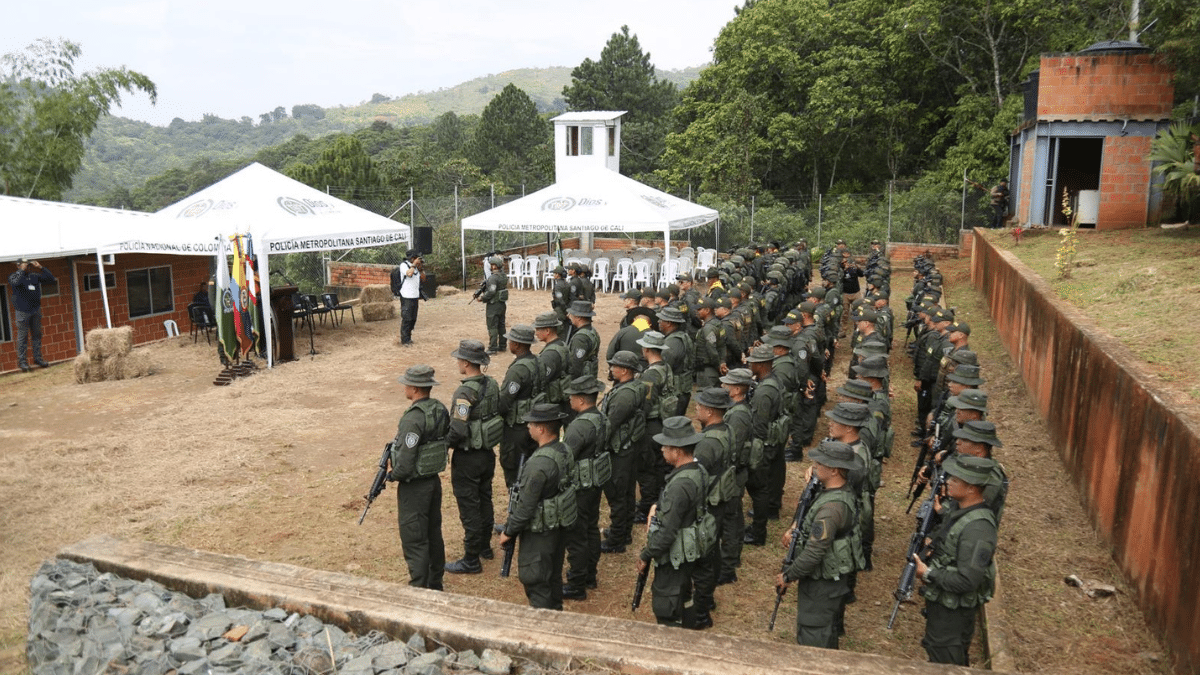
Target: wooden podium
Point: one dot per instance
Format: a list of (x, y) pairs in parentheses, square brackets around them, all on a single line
[(282, 308)]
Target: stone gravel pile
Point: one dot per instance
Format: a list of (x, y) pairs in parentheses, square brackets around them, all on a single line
[(83, 622)]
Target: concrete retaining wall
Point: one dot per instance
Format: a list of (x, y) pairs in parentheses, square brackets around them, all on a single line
[(1130, 447), (560, 639)]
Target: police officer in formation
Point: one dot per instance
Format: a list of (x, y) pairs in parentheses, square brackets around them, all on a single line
[(418, 456), (759, 391)]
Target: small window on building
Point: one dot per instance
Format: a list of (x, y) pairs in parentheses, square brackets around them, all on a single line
[(612, 141), (50, 288), (586, 141), (5, 325), (149, 291), (572, 141), (91, 282)]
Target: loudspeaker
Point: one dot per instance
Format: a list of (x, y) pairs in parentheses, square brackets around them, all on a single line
[(423, 239)]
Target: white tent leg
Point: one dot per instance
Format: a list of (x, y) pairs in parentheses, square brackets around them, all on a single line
[(103, 288), (264, 303), (667, 254)]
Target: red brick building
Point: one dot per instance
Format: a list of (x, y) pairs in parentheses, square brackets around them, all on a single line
[(1089, 120), (144, 290)]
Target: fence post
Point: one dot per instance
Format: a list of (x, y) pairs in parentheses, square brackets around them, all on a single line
[(962, 218), (492, 186), (462, 239), (819, 221), (889, 233), (751, 218)]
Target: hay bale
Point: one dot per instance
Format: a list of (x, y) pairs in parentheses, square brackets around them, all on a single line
[(113, 368), (138, 364), (375, 293), (378, 311), (104, 342), (448, 290), (82, 365)]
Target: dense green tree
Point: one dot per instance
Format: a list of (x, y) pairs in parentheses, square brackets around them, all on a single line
[(343, 164), (624, 79), (47, 113), (1173, 27), (449, 134), (310, 111), (512, 141), (176, 184)]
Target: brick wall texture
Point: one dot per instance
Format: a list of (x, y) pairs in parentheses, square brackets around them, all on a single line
[(188, 273), (1105, 86)]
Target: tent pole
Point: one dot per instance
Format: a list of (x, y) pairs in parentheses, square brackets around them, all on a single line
[(462, 239), (264, 301), (103, 288)]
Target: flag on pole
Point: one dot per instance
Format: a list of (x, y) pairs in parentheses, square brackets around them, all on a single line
[(241, 301), (226, 331), (252, 284)]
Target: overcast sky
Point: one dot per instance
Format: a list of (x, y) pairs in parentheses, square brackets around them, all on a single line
[(245, 58)]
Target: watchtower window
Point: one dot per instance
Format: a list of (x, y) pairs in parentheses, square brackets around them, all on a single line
[(572, 141), (585, 141), (612, 141)]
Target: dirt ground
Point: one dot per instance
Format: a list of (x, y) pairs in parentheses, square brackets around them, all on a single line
[(274, 467)]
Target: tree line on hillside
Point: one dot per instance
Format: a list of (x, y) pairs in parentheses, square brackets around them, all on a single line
[(802, 98)]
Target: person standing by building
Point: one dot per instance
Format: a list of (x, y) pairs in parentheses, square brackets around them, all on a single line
[(418, 456), (26, 286), (406, 283)]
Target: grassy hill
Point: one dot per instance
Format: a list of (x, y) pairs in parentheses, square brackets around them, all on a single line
[(123, 153)]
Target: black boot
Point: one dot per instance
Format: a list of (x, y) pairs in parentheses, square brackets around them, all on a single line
[(465, 565)]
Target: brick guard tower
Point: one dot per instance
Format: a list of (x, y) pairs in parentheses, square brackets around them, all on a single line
[(1089, 120)]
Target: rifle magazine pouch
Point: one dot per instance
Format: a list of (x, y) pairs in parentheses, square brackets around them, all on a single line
[(431, 459)]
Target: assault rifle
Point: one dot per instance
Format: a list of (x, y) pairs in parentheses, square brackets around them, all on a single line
[(806, 499), (380, 479), (925, 519), (511, 546), (640, 586), (927, 457), (478, 291)]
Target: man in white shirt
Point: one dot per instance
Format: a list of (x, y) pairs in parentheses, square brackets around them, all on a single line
[(406, 283)]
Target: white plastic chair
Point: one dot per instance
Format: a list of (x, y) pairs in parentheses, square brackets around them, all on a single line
[(600, 273), (550, 264), (515, 266), (532, 271), (705, 258), (171, 327), (642, 275), (669, 271), (623, 275)]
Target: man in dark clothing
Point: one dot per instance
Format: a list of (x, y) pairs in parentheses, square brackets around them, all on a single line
[(545, 509), (521, 383), (583, 346), (680, 507), (585, 436), (960, 576), (418, 456), (475, 428), (406, 283), (495, 296), (26, 286), (625, 408), (829, 548)]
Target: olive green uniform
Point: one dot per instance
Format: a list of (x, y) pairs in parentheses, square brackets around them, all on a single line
[(418, 455), (680, 506), (828, 551), (624, 408), (585, 436), (651, 468), (960, 579), (544, 512), (709, 353), (583, 349), (495, 296), (733, 525), (521, 383), (679, 352), (768, 429), (715, 454), (552, 361), (473, 464)]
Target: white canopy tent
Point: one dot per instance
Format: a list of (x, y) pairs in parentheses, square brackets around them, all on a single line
[(282, 215), (34, 228), (594, 200)]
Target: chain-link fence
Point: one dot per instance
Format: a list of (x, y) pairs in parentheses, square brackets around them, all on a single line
[(902, 214)]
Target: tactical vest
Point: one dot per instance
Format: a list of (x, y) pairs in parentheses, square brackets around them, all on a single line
[(431, 455), (724, 486), (586, 340), (554, 384), (695, 540), (620, 439), (499, 288), (945, 556), (528, 366), (594, 467), (741, 456), (484, 425), (681, 342), (846, 555), (662, 394), (562, 509)]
